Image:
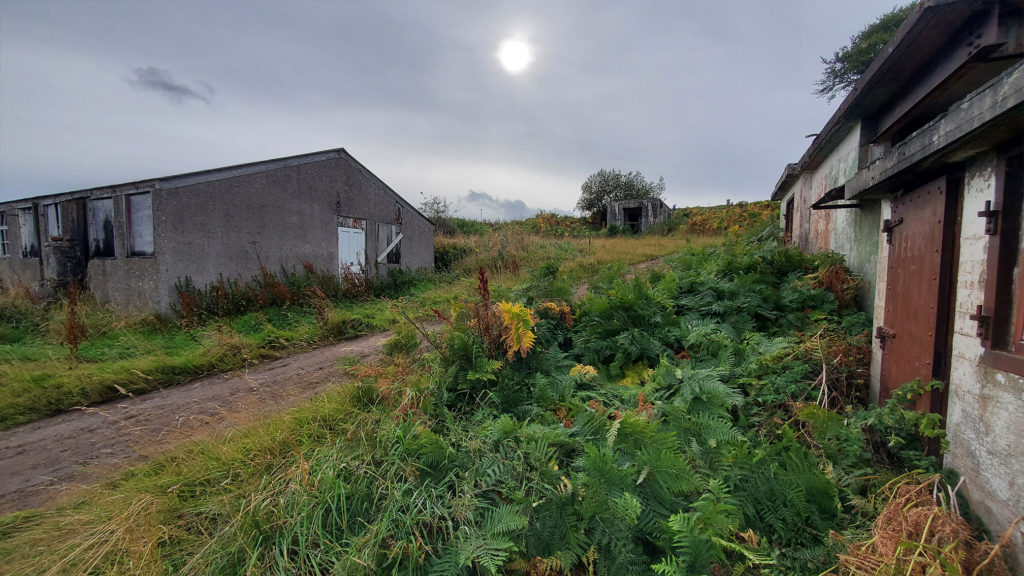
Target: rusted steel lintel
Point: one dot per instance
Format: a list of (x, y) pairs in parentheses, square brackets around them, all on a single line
[(837, 193), (836, 206)]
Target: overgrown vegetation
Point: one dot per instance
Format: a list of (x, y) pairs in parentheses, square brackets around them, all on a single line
[(705, 417), (732, 219), (233, 323)]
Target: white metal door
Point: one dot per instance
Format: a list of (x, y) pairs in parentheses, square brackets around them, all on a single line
[(351, 248)]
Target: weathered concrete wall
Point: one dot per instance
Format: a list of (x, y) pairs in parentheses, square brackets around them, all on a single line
[(225, 222), (285, 216), (985, 412), (16, 271), (361, 196), (129, 283), (853, 232), (227, 227), (839, 166)]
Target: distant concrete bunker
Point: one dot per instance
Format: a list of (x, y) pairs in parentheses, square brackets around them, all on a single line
[(637, 215)]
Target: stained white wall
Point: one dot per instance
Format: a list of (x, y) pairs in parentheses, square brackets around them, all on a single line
[(985, 414), (853, 232)]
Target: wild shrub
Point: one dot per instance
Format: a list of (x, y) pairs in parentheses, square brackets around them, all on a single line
[(396, 283), (232, 297), (734, 219), (75, 331), (342, 325), (320, 304), (20, 315), (355, 285), (545, 283), (403, 343), (448, 253)]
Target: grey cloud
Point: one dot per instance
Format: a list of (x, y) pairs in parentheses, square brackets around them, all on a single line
[(476, 204), (162, 82)]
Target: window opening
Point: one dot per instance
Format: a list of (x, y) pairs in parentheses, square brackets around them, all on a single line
[(1013, 203), (29, 233), (139, 211), (789, 220), (53, 227), (5, 247), (389, 242), (101, 228)]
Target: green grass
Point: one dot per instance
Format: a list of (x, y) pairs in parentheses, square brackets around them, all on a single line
[(38, 377)]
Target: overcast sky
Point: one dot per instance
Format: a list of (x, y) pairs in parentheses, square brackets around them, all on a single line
[(713, 95)]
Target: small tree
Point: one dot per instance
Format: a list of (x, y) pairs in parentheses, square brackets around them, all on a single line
[(439, 211), (604, 186), (848, 63)]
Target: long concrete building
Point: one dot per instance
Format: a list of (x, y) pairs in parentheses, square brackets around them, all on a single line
[(130, 243), (917, 180)]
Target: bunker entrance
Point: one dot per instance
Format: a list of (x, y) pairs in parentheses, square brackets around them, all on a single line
[(631, 218)]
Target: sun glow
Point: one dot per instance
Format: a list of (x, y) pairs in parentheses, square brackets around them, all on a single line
[(515, 55)]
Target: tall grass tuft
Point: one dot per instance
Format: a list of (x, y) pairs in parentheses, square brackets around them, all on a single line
[(75, 331)]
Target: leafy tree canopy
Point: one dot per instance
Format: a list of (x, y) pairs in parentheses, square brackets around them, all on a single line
[(848, 63), (604, 186)]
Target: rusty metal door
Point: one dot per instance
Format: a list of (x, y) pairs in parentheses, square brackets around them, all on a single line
[(917, 301)]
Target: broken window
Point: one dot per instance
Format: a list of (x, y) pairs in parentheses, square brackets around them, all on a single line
[(139, 210), (788, 230), (5, 248), (29, 233), (389, 243), (101, 228), (398, 214), (53, 227)]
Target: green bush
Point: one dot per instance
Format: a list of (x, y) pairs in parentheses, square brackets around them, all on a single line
[(403, 343), (447, 255)]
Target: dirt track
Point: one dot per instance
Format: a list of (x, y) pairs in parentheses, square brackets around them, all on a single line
[(41, 462)]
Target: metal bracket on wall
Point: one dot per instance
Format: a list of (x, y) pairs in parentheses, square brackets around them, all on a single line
[(887, 227), (984, 322), (882, 333), (991, 219)]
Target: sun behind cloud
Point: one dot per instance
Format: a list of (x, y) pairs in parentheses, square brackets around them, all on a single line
[(515, 55)]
